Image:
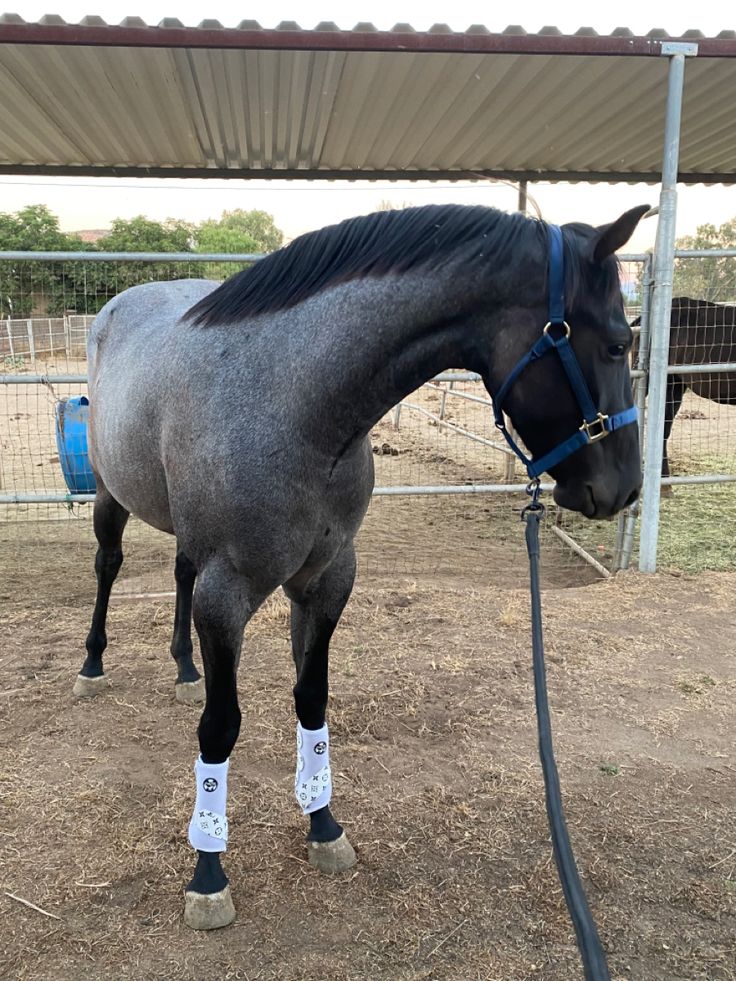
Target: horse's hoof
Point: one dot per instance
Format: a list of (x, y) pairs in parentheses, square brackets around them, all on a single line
[(89, 687), (190, 692), (203, 911), (332, 856)]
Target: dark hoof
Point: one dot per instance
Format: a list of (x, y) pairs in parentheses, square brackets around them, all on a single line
[(190, 692), (89, 687), (208, 911), (332, 856)]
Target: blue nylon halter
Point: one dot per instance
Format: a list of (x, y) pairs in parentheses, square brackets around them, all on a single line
[(596, 425)]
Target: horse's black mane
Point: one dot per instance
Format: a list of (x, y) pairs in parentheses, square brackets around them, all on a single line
[(370, 245), (375, 245)]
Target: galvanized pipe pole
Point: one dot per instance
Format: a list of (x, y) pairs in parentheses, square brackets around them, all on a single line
[(664, 263), (521, 203), (640, 397), (509, 474)]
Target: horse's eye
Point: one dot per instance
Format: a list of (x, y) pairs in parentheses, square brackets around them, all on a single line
[(617, 350)]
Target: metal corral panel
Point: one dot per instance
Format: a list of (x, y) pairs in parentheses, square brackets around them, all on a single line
[(170, 100)]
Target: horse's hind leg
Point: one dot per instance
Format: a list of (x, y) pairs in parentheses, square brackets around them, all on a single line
[(110, 519), (189, 683), (315, 612)]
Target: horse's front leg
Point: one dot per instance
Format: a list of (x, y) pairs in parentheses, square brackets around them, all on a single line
[(222, 606), (315, 612)]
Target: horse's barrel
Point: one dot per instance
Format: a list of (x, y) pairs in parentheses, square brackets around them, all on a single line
[(71, 441)]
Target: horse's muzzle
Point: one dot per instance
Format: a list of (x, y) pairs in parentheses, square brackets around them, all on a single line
[(594, 499)]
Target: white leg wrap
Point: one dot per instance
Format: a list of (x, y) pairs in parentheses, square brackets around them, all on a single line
[(313, 780), (208, 827)]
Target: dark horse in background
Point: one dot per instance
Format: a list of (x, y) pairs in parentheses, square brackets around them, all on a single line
[(237, 418), (701, 332)]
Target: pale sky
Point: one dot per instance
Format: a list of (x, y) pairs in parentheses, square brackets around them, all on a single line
[(298, 206), (675, 17)]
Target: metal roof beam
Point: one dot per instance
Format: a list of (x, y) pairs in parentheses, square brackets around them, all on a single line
[(477, 40)]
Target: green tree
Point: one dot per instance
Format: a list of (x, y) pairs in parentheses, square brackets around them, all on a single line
[(708, 279), (141, 234), (29, 286), (84, 287), (90, 285), (214, 237), (239, 231), (236, 231), (32, 229)]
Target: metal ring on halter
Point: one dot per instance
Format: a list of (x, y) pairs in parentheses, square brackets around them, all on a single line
[(561, 323), (533, 490)]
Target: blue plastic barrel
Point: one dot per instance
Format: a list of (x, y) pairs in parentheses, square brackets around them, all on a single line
[(71, 441)]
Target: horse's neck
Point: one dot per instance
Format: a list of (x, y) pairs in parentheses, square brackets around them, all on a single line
[(376, 341)]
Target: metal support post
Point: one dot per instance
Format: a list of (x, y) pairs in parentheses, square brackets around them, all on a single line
[(522, 199), (661, 308), (510, 468)]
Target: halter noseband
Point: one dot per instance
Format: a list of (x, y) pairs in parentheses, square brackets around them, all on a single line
[(596, 425)]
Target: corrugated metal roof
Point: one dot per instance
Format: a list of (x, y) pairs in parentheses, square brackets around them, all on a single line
[(212, 101)]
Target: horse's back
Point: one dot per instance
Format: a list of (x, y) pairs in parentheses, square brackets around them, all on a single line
[(142, 312), (704, 333)]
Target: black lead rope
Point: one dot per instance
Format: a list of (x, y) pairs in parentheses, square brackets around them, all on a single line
[(589, 943), (596, 425)]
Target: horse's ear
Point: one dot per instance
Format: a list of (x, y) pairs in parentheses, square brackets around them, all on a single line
[(611, 237)]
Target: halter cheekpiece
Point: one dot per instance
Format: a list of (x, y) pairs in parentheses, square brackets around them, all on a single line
[(556, 337)]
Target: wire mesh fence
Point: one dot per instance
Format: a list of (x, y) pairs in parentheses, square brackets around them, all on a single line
[(700, 417), (698, 509), (478, 534), (441, 439), (698, 503)]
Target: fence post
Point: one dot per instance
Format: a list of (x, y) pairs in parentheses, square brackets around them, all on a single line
[(443, 402), (10, 339), (510, 468), (664, 262), (31, 342)]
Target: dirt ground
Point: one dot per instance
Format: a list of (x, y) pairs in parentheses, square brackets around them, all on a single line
[(436, 782)]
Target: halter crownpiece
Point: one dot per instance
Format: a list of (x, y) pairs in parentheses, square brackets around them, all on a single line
[(596, 425)]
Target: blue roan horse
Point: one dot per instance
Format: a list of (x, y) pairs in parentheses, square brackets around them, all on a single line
[(237, 418)]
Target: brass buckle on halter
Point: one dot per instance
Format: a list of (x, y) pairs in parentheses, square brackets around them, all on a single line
[(597, 433)]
